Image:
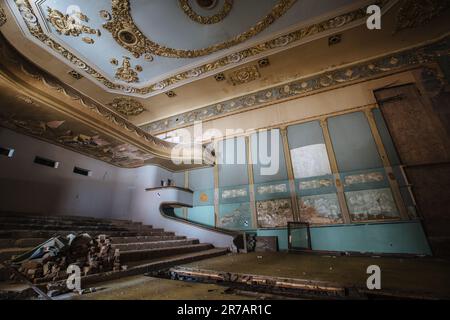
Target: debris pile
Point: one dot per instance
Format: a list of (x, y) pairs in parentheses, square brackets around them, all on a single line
[(49, 261)]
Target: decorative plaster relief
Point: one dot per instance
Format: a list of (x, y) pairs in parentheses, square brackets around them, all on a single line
[(127, 106), (130, 41), (2, 17), (71, 25), (216, 18), (127, 34), (305, 86), (416, 13), (244, 75)]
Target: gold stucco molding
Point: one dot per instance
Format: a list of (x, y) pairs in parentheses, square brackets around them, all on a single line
[(416, 13), (8, 54), (241, 56), (3, 18), (216, 18), (328, 80), (127, 34), (127, 106)]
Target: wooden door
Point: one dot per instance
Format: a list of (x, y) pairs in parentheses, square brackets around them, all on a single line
[(423, 145)]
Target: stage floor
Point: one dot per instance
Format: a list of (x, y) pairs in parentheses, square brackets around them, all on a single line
[(421, 277)]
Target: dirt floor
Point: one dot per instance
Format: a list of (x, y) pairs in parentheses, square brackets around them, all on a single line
[(419, 276), (147, 288)]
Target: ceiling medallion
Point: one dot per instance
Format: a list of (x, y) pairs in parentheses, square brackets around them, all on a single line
[(227, 6), (128, 35), (127, 106), (245, 75), (415, 13), (36, 31), (69, 25), (2, 17), (126, 72)]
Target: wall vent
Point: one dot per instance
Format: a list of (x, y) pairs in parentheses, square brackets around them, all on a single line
[(46, 162), (81, 171), (7, 152)]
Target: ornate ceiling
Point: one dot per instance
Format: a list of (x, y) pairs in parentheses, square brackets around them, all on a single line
[(89, 75), (144, 48)]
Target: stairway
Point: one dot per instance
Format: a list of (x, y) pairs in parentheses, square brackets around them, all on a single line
[(142, 247)]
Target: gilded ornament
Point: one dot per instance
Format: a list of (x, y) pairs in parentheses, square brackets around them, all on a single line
[(297, 35), (126, 72), (415, 13), (2, 17), (104, 14), (245, 75), (69, 25), (305, 86), (75, 75), (127, 106), (187, 9), (88, 40), (128, 35)]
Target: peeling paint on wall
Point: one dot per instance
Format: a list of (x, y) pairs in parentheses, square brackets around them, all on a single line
[(235, 216), (273, 188), (315, 184), (364, 178), (274, 213), (320, 209), (375, 204)]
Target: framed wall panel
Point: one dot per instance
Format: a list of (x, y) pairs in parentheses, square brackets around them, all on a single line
[(275, 213), (353, 143), (320, 209), (265, 146), (235, 216), (272, 190), (375, 204)]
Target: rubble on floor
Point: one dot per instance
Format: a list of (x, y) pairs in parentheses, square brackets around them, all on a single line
[(49, 261)]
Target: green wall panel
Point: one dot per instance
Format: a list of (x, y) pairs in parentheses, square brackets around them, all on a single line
[(235, 216), (395, 238), (353, 144), (203, 215)]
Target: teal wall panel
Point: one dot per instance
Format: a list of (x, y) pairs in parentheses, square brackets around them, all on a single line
[(179, 212), (235, 216), (386, 137), (203, 215), (204, 198), (402, 237), (353, 143), (178, 179), (395, 238), (232, 159), (280, 233), (261, 147), (305, 134), (201, 179)]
